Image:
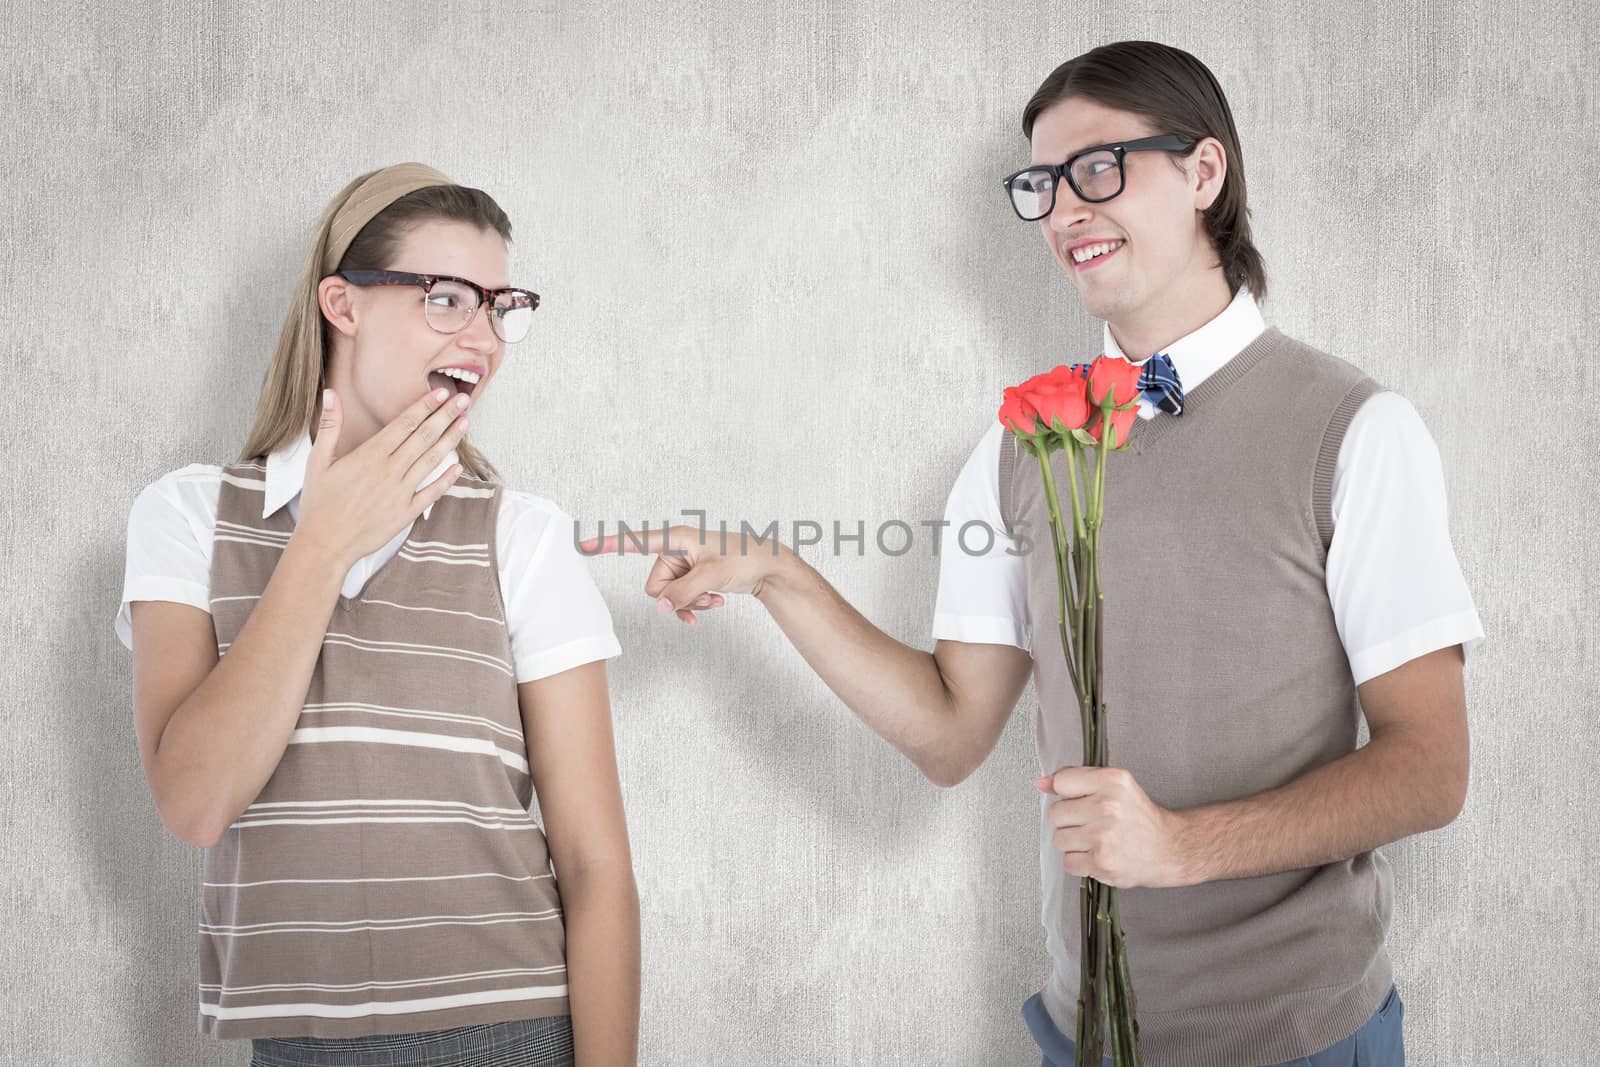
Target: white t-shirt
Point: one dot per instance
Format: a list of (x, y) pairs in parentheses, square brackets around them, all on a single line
[(554, 612), (1393, 579)]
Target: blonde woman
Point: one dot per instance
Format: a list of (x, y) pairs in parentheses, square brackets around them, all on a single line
[(357, 658)]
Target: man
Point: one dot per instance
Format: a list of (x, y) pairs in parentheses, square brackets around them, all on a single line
[(1276, 563)]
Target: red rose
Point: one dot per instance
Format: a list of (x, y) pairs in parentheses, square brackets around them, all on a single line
[(1060, 397), (1121, 423), (1016, 413), (1115, 376)]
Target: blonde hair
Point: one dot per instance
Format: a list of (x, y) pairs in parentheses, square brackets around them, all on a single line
[(295, 378)]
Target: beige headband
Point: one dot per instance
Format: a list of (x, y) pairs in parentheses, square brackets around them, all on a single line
[(370, 197)]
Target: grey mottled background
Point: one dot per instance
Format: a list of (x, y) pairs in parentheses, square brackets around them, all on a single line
[(803, 307)]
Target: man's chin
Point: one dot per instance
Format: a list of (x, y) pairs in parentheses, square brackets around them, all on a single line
[(1105, 303)]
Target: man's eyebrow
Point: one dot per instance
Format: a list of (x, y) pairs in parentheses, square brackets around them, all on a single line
[(1098, 144), (1072, 152)]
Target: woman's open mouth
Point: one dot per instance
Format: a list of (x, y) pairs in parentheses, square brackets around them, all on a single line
[(456, 379)]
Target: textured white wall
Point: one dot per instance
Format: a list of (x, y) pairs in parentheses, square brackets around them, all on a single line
[(803, 308)]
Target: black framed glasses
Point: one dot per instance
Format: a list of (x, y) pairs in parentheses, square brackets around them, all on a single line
[(448, 304), (1096, 174)]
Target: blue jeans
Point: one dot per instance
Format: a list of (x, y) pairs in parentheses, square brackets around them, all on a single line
[(1376, 1044)]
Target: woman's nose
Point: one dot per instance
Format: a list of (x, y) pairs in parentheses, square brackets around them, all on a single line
[(478, 334)]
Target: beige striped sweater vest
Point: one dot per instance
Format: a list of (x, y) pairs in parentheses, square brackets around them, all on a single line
[(1224, 677), (389, 877)]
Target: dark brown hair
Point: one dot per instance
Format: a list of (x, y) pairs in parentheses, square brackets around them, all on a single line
[(298, 371), (1175, 93)]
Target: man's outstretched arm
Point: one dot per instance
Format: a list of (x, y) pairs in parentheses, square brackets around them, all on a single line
[(944, 710)]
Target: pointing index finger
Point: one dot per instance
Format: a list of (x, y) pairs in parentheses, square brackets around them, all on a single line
[(640, 542)]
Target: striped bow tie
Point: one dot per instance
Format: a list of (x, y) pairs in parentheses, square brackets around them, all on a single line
[(1159, 384)]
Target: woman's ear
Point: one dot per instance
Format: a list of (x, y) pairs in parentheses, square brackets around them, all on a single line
[(336, 298)]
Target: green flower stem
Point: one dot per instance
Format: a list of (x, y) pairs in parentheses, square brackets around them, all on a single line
[(1119, 1053), (1100, 472), (1094, 929), (1080, 607), (1086, 986), (1080, 603), (1077, 509), (1090, 990), (1102, 729), (1093, 744), (1102, 952), (1094, 749), (1106, 1004), (1124, 982), (1057, 538), (1090, 1034)]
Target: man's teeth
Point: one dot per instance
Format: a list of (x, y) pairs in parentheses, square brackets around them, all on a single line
[(458, 372), (1088, 252)]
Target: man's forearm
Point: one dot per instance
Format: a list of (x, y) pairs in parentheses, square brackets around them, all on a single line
[(897, 690), (1390, 788)]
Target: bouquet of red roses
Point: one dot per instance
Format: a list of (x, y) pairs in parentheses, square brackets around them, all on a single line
[(1068, 410)]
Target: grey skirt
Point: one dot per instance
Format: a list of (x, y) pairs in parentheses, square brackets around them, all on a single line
[(545, 1042)]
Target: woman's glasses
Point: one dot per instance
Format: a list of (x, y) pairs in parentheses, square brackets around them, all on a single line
[(448, 304), (1095, 174)]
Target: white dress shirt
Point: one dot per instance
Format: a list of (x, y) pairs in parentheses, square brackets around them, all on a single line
[(1393, 579), (554, 613)]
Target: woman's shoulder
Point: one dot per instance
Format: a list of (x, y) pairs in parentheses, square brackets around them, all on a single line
[(191, 489), (529, 511), (190, 474), (533, 525)]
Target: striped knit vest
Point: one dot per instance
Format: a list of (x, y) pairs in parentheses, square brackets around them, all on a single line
[(1225, 676), (390, 877)]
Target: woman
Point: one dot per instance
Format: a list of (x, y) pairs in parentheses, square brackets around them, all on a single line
[(357, 657)]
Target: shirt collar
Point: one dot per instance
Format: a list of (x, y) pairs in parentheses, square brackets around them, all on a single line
[(286, 473), (1196, 356)]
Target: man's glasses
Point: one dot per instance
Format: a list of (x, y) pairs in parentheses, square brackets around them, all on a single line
[(448, 304), (1095, 174)]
